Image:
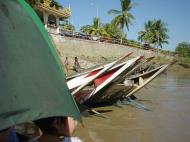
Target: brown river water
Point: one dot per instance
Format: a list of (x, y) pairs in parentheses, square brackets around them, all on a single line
[(168, 97)]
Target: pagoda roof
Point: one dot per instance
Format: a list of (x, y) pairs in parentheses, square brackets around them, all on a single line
[(61, 13)]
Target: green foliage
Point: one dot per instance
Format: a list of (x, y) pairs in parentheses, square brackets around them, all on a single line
[(168, 52), (133, 43), (183, 49), (155, 33), (161, 59), (183, 60), (112, 31), (85, 28), (96, 29), (68, 26), (123, 17)]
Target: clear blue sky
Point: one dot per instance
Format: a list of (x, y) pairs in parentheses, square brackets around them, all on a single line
[(176, 13)]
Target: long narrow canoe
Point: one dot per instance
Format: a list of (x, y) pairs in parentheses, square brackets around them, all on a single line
[(93, 70), (145, 78), (101, 72), (130, 86), (85, 77), (106, 79)]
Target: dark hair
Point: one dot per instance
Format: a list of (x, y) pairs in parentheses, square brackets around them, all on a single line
[(1, 131), (45, 124)]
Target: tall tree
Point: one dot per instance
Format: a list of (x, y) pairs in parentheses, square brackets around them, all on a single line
[(160, 36), (66, 25), (155, 33), (183, 49), (123, 17), (112, 31), (95, 29), (148, 34)]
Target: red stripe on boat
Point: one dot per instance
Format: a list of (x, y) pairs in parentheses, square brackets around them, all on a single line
[(92, 73), (103, 78)]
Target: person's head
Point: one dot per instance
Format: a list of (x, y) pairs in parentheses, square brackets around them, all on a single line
[(76, 59), (60, 126)]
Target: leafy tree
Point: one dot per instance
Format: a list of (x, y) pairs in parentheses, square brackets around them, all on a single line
[(160, 33), (183, 49), (148, 35), (112, 31), (133, 43), (85, 29), (155, 33), (123, 17), (95, 29), (68, 26)]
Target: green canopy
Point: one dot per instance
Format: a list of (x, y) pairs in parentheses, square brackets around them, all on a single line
[(32, 81)]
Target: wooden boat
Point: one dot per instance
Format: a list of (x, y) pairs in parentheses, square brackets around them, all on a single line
[(133, 84), (101, 72), (119, 86), (143, 79), (85, 77), (105, 80), (109, 95), (84, 74)]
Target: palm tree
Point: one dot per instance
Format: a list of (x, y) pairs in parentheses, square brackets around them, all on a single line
[(68, 26), (95, 29), (112, 31), (155, 33), (124, 17), (85, 29), (148, 35), (160, 35)]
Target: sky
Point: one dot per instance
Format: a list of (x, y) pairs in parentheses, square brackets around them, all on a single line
[(175, 13)]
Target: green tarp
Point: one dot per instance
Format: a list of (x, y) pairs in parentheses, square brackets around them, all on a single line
[(32, 81)]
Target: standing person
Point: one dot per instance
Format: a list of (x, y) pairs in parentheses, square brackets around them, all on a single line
[(76, 66), (66, 65)]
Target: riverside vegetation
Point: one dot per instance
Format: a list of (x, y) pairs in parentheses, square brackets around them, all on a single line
[(155, 32)]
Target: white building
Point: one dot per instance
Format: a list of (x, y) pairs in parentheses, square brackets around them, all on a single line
[(51, 16)]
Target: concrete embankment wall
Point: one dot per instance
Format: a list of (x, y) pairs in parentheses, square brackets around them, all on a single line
[(93, 49)]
